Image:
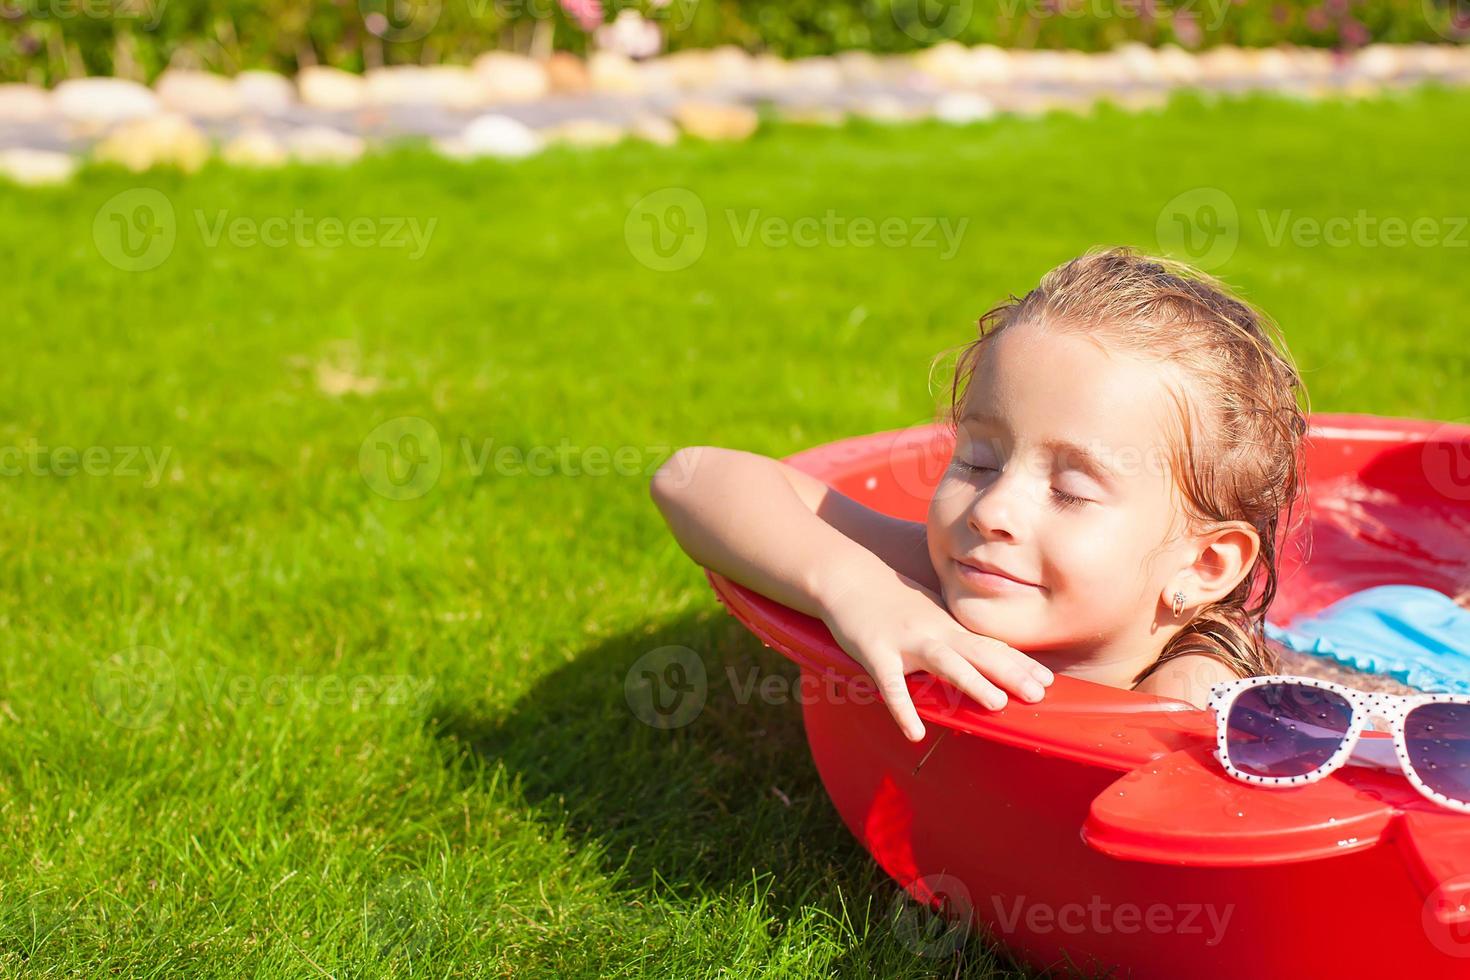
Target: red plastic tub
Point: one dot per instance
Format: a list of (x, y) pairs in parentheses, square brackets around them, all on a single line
[(1094, 830)]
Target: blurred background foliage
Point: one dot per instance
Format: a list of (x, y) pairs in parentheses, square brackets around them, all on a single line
[(46, 40)]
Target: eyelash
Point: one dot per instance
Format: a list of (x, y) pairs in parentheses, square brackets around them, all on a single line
[(1065, 500)]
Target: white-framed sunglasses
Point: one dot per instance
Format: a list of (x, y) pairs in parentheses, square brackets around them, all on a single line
[(1282, 730)]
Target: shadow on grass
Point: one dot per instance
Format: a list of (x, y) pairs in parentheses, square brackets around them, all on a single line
[(732, 789), (730, 795)]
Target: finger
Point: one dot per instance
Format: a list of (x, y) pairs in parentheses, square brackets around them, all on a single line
[(1038, 670), (1004, 665), (895, 693), (946, 663)]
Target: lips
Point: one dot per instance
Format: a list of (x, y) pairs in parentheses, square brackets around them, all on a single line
[(984, 566)]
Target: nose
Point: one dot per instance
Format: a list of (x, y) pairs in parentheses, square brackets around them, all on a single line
[(997, 509)]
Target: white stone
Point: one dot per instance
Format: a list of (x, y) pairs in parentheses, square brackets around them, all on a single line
[(1379, 61), (945, 61), (508, 77), (34, 168), (586, 132), (860, 66), (1041, 66), (331, 88), (615, 73), (1269, 64), (167, 139), (655, 129), (323, 144), (961, 108), (1223, 63), (103, 101), (499, 136), (885, 109), (1138, 62), (716, 120), (818, 74), (24, 103), (687, 69), (451, 86), (198, 93), (255, 147), (265, 92), (769, 72), (655, 75)]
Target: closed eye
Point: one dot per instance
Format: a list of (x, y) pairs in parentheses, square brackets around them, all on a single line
[(1065, 500)]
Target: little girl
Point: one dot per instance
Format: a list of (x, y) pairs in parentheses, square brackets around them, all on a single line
[(1127, 437)]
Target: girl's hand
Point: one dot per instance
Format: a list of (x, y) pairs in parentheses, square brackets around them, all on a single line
[(893, 627)]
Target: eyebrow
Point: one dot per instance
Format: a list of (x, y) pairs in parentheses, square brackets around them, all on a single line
[(1089, 460)]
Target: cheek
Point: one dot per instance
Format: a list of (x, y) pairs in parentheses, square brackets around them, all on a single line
[(1103, 560), (945, 507)]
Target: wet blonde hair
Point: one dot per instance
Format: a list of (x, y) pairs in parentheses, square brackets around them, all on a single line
[(1237, 453)]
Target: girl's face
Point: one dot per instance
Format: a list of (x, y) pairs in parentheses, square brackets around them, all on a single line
[(1060, 479)]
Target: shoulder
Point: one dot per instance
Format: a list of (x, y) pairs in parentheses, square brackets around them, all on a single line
[(1187, 677)]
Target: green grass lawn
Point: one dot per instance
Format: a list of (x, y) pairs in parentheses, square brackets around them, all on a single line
[(262, 718)]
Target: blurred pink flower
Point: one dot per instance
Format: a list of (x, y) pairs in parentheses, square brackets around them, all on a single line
[(1354, 33), (586, 13), (1186, 29)]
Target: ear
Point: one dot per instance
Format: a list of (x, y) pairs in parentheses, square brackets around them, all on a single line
[(1218, 559)]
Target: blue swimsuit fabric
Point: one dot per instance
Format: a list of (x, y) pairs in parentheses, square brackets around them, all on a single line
[(1415, 635)]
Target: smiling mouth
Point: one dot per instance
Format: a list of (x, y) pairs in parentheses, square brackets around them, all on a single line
[(991, 581)]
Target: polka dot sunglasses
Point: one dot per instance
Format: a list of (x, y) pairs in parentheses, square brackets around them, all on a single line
[(1289, 731)]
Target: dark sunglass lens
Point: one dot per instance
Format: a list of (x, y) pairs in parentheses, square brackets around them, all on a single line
[(1438, 739), (1279, 730)]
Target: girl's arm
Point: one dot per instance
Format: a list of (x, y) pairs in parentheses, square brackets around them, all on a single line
[(771, 528), (784, 533)]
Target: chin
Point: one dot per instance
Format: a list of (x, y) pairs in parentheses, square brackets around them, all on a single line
[(992, 616)]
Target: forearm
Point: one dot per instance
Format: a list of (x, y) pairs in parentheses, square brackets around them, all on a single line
[(735, 513)]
